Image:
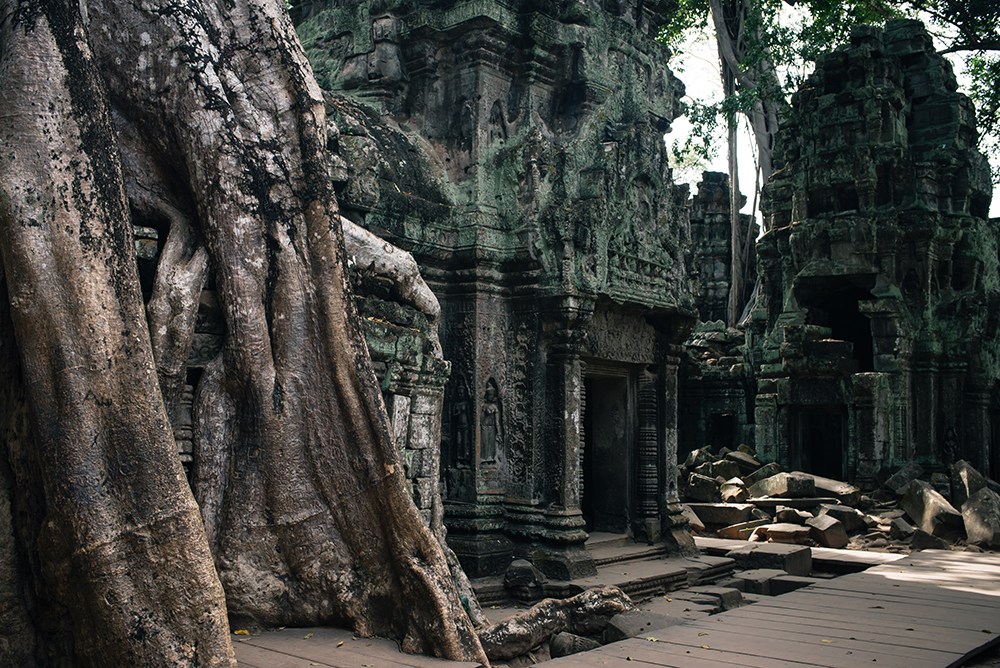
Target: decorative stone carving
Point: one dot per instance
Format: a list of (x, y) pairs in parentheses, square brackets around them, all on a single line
[(490, 424)]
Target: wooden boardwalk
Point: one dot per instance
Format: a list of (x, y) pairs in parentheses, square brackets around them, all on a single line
[(932, 609)]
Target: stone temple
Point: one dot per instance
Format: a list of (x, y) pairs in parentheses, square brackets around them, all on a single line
[(516, 151)]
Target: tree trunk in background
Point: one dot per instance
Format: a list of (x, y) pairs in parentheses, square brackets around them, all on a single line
[(206, 119)]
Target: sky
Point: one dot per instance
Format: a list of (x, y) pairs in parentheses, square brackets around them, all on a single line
[(698, 68)]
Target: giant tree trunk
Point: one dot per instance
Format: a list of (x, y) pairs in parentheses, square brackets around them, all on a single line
[(212, 110)]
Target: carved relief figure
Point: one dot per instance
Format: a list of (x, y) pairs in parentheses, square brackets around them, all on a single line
[(460, 422), (489, 425)]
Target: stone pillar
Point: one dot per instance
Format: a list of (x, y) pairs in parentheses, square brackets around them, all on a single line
[(647, 519), (561, 554), (673, 525), (976, 444)]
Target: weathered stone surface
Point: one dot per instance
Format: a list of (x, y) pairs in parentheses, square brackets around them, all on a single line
[(783, 584), (901, 479), (766, 471), (786, 533), (523, 581), (925, 541), (758, 580), (741, 531), (721, 514), (900, 529), (787, 515), (746, 462), (965, 481), (564, 644), (827, 531), (981, 515), (701, 488), (785, 485), (693, 520), (842, 491), (733, 491), (719, 469), (852, 519), (729, 598), (793, 559), (929, 510), (637, 624)]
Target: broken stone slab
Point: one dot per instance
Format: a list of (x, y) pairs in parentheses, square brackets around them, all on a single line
[(942, 484), (742, 530), (729, 598), (925, 541), (828, 531), (851, 518), (565, 644), (722, 514), (793, 559), (719, 469), (900, 529), (842, 491), (786, 515), (794, 534), (733, 491), (785, 485), (766, 471), (981, 514), (692, 517), (698, 457), (745, 462), (898, 482), (758, 580), (758, 514), (929, 510), (701, 488), (784, 584), (802, 504), (637, 624), (965, 481)]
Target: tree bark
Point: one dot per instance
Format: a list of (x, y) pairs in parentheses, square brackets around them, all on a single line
[(304, 510)]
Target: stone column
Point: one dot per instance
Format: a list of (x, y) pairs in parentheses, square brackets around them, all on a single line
[(561, 554), (976, 448), (674, 528)]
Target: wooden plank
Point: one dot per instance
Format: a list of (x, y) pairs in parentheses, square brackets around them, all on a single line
[(945, 598), (887, 636), (949, 638), (682, 656)]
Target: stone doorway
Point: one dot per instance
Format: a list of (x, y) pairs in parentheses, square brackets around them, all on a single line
[(819, 440), (609, 434)]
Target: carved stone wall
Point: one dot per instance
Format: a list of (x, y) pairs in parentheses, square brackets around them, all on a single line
[(516, 150), (876, 335)]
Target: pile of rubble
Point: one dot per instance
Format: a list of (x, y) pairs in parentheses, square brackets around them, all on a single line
[(734, 496)]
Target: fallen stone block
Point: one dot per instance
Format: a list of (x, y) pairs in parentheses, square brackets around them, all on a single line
[(785, 485), (742, 530), (965, 481), (758, 581), (746, 463), (733, 491), (793, 559), (898, 482), (851, 518), (729, 598), (693, 520), (900, 529), (637, 624), (842, 491), (786, 515), (942, 485), (929, 510), (981, 514), (788, 583), (925, 541), (766, 471), (701, 488), (827, 531), (565, 644), (698, 457), (722, 514), (719, 469), (759, 514), (795, 534)]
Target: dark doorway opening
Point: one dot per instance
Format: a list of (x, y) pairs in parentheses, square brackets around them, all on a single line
[(819, 440), (834, 302), (608, 434), (722, 431)]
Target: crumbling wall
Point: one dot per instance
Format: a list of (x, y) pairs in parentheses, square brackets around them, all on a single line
[(876, 332)]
